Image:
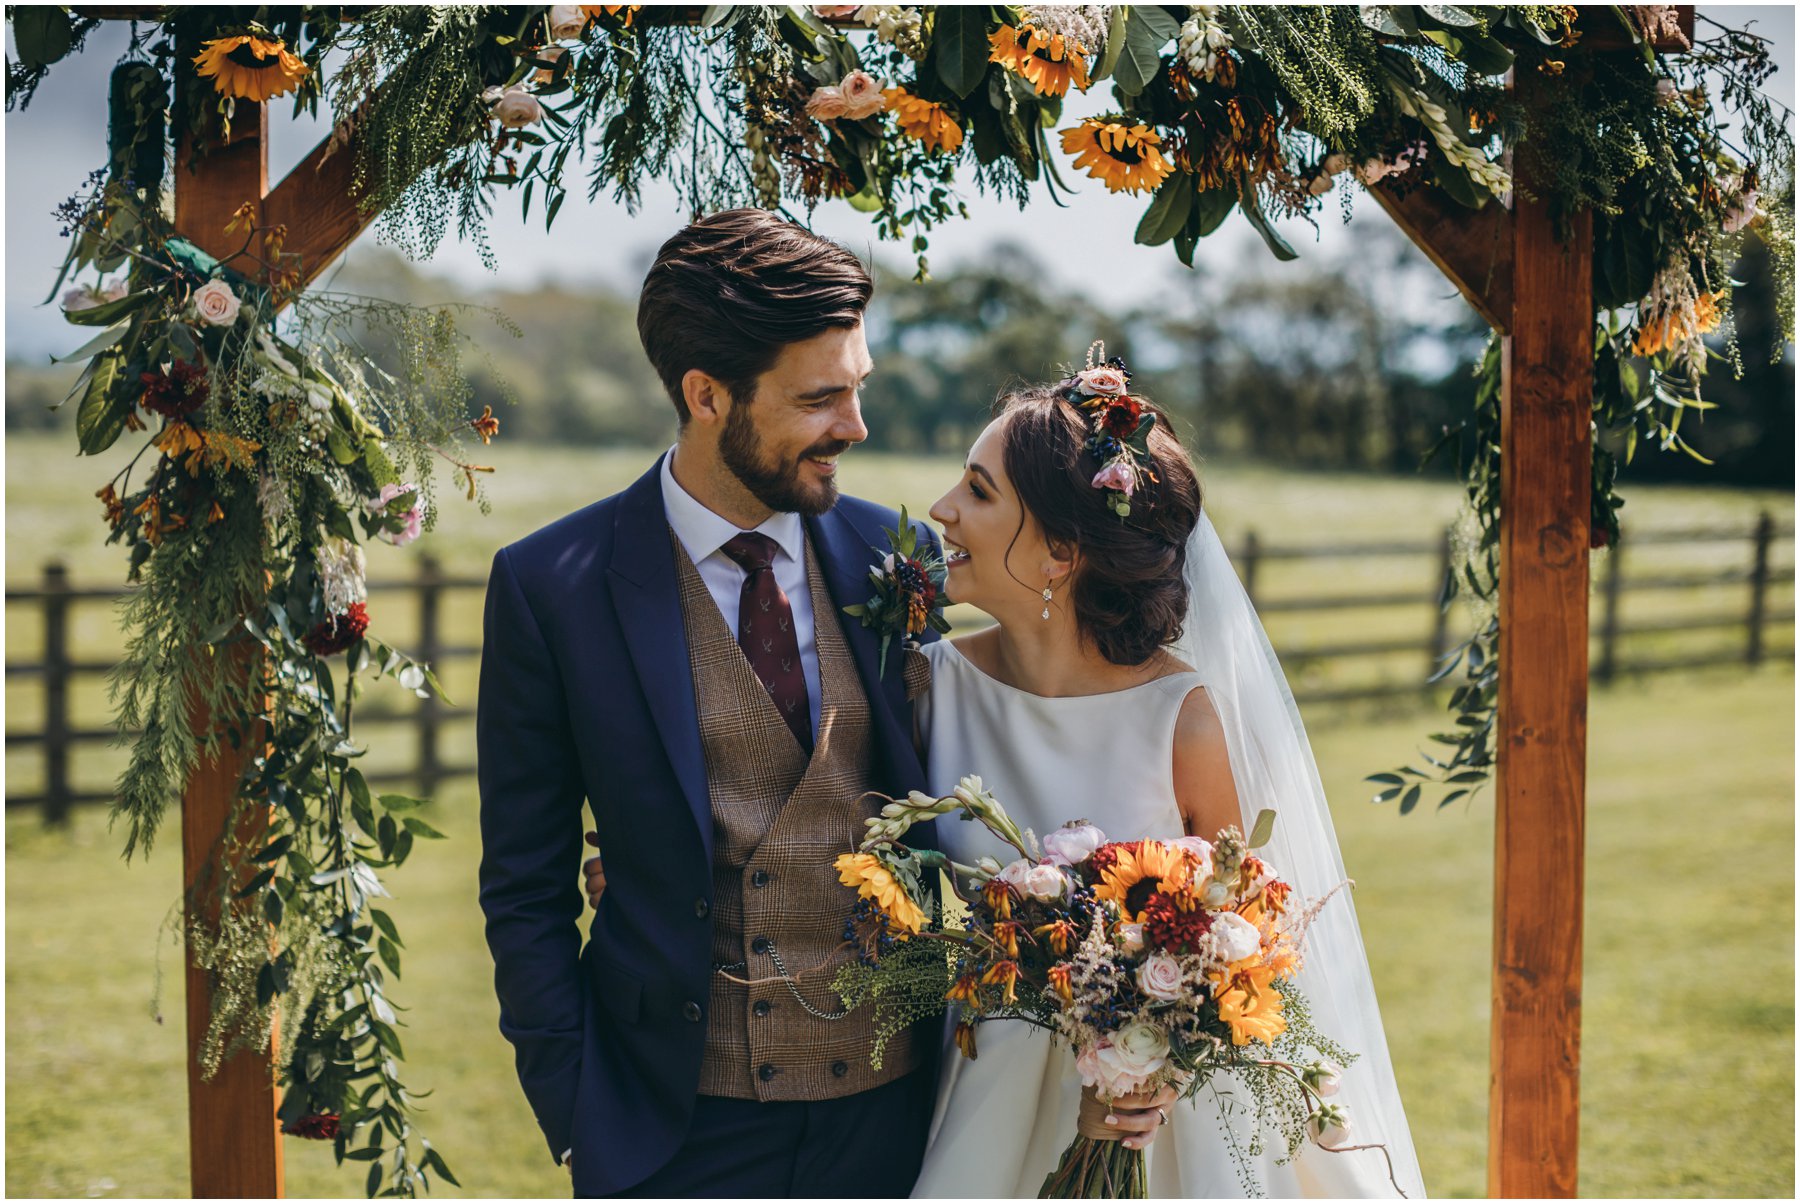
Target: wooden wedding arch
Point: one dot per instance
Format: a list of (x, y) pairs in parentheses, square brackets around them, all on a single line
[(1530, 286)]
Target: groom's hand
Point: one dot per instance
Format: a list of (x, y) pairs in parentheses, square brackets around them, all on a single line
[(1132, 1119), (594, 873)]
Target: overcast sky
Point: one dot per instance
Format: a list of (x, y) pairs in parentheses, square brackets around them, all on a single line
[(52, 145)]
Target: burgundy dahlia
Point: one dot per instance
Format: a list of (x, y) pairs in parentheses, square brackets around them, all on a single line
[(1121, 417), (322, 1126), (175, 393), (338, 632), (1167, 926)]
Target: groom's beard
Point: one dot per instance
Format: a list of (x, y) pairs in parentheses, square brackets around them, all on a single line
[(778, 485)]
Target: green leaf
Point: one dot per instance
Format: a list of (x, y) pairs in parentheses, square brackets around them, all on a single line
[(365, 1154), (390, 957), (1450, 14), (1388, 779), (959, 44), (1410, 800), (1252, 207), (101, 416), (1168, 211), (1115, 42), (400, 802), (275, 848), (1146, 33), (108, 312), (419, 827), (432, 1160), (42, 33), (95, 345), (1263, 829), (255, 884), (385, 922)]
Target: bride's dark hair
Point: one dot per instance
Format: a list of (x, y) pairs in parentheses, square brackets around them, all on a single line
[(1129, 594)]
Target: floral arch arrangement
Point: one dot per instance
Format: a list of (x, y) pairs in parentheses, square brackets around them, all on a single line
[(279, 445)]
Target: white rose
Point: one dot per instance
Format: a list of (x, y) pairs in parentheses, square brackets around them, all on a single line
[(1330, 1125), (1045, 882), (216, 304), (1160, 977), (1123, 1064), (1014, 874), (1665, 91), (1237, 937), (518, 108), (566, 21), (1324, 1077), (1131, 938), (1073, 844)]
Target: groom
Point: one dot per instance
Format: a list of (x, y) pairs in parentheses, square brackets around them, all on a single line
[(676, 655)]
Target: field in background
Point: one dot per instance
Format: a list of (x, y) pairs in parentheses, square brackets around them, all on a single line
[(1687, 1055), (52, 513)]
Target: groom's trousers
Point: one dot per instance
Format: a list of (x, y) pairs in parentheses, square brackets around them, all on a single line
[(868, 1145)]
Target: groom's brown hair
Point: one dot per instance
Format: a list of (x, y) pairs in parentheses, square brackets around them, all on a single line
[(729, 291)]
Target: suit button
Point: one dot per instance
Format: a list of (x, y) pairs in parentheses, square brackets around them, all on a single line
[(702, 909), (765, 1072), (759, 878), (691, 1010), (760, 945), (762, 1007), (840, 1069)]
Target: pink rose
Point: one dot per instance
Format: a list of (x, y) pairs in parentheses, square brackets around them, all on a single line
[(1116, 475), (516, 108), (216, 304), (1103, 381), (826, 103), (836, 11), (1014, 874), (1125, 1062), (549, 54), (1073, 844), (1131, 938), (1160, 977), (566, 21), (862, 95), (1045, 882), (1330, 1125)]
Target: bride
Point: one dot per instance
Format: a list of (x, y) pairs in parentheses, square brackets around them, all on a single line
[(1127, 681)]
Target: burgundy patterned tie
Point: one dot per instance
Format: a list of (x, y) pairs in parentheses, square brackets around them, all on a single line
[(766, 632)]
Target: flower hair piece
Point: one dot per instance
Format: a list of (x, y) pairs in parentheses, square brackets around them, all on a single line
[(1118, 426)]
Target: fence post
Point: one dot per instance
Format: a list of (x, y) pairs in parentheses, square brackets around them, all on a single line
[(56, 694), (1252, 553), (1440, 614), (1612, 588), (1759, 588), (430, 590)]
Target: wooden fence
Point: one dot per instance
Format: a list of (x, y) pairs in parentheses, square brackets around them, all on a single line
[(1753, 614)]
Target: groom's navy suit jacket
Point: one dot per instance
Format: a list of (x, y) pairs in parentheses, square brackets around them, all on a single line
[(586, 692)]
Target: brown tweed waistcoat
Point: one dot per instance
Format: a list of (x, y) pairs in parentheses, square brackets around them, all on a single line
[(779, 819)]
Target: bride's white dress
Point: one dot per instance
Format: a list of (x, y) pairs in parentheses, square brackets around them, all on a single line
[(1002, 1120)]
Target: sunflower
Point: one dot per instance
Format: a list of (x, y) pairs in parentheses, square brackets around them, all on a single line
[(1049, 62), (925, 120), (1252, 1007), (249, 67), (1153, 867), (1123, 157), (872, 880)]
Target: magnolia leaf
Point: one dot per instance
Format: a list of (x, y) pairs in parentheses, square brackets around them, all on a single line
[(108, 312), (959, 44), (1263, 828), (1147, 31), (1115, 42), (1252, 207), (1450, 14), (103, 410), (1168, 212), (42, 33), (95, 345)]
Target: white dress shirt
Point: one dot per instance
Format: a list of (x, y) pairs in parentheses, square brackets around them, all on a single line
[(704, 534)]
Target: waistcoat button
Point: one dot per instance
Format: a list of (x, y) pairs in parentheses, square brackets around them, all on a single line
[(760, 945), (691, 1010), (762, 1007), (765, 1072), (759, 878), (840, 1069)]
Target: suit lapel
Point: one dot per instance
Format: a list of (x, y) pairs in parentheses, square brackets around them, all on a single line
[(647, 598), (845, 553)]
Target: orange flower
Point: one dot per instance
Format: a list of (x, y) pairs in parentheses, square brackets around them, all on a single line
[(965, 1040), (1252, 1007), (1059, 981), (1059, 933), (925, 120), (249, 67), (1048, 61), (1003, 974), (1123, 157), (1006, 935), (1674, 327), (612, 10), (487, 426), (962, 990), (998, 896)]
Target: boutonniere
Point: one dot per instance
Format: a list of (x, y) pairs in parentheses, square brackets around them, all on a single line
[(909, 590)]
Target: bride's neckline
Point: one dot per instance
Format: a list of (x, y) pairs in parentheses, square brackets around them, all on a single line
[(989, 677)]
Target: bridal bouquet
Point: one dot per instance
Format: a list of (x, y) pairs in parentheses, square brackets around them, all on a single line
[(1157, 961)]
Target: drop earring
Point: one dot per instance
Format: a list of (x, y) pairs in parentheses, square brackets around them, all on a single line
[(1046, 602)]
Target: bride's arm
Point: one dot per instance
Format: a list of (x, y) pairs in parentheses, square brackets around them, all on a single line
[(1204, 787)]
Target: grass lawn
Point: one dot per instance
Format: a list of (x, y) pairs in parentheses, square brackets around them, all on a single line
[(1687, 1056)]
